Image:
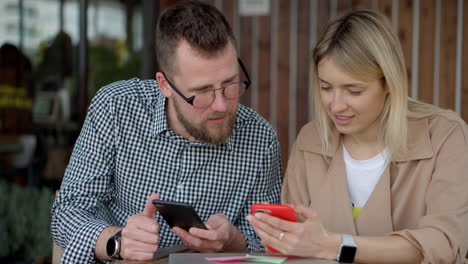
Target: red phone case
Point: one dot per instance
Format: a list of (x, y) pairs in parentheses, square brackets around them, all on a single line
[(282, 211)]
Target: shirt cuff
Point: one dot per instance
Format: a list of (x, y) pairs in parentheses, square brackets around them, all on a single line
[(253, 244), (80, 248)]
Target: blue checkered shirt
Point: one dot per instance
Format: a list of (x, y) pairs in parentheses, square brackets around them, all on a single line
[(126, 151)]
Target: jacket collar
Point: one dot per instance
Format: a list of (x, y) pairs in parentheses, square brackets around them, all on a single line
[(419, 142)]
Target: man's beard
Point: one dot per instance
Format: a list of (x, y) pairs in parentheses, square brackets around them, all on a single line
[(201, 133)]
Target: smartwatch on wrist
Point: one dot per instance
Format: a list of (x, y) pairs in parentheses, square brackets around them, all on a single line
[(113, 246), (347, 250)]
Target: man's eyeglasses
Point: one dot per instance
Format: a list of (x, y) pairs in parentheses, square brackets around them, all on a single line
[(206, 98)]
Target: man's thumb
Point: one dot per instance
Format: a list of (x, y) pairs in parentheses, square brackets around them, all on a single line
[(150, 209)]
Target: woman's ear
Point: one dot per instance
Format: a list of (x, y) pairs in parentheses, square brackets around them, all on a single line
[(385, 86), (163, 85)]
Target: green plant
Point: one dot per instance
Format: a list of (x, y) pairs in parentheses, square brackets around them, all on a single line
[(106, 67), (25, 221)]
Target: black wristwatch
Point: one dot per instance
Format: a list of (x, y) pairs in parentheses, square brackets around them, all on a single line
[(347, 250), (113, 246)]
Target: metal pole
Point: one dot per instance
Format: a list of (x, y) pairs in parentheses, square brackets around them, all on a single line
[(83, 61), (150, 18), (61, 4), (21, 24)]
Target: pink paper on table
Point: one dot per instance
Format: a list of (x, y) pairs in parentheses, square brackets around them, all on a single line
[(231, 262), (229, 259)]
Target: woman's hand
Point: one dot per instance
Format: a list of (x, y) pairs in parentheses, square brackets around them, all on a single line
[(306, 239)]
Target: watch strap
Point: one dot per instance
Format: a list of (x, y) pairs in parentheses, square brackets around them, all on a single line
[(347, 239)]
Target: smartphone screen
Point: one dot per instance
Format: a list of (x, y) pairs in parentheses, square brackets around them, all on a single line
[(182, 215)]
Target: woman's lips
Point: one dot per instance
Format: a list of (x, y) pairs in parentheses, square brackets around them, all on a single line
[(342, 120)]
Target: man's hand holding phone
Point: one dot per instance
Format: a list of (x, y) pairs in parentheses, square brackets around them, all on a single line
[(216, 235), (140, 236), (221, 236)]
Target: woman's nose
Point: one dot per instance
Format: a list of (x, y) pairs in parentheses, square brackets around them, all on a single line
[(338, 104)]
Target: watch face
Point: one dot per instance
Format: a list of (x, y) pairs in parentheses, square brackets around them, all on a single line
[(111, 247), (347, 254)]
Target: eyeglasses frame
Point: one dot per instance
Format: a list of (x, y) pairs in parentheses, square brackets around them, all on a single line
[(190, 99)]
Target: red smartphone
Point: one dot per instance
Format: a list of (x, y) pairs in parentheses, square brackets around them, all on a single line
[(282, 211)]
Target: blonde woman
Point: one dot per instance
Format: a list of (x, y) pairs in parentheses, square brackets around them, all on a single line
[(378, 177)]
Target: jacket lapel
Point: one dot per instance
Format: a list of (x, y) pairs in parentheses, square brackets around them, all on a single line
[(376, 216), (335, 207)]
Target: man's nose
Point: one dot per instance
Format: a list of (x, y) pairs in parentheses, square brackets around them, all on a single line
[(220, 102)]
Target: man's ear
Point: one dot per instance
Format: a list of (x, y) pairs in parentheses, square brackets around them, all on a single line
[(163, 85)]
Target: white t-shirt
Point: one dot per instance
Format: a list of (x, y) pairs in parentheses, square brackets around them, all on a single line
[(363, 175)]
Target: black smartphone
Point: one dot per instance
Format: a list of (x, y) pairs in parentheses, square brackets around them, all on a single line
[(182, 215)]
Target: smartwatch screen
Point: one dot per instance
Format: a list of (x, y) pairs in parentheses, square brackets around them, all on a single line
[(110, 247), (347, 254)]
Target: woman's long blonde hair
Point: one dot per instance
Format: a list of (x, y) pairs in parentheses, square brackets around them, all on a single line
[(364, 45)]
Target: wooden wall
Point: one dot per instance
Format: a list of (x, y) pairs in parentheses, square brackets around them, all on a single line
[(276, 50)]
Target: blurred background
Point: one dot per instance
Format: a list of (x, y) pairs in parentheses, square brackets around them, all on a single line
[(55, 55)]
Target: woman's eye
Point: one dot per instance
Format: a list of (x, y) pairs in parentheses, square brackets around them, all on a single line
[(355, 92), (324, 88)]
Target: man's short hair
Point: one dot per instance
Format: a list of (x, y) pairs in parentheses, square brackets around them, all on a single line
[(202, 25)]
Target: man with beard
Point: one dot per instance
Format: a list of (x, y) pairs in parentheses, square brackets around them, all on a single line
[(183, 137)]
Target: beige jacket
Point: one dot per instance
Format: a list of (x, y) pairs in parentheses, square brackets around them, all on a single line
[(422, 197)]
